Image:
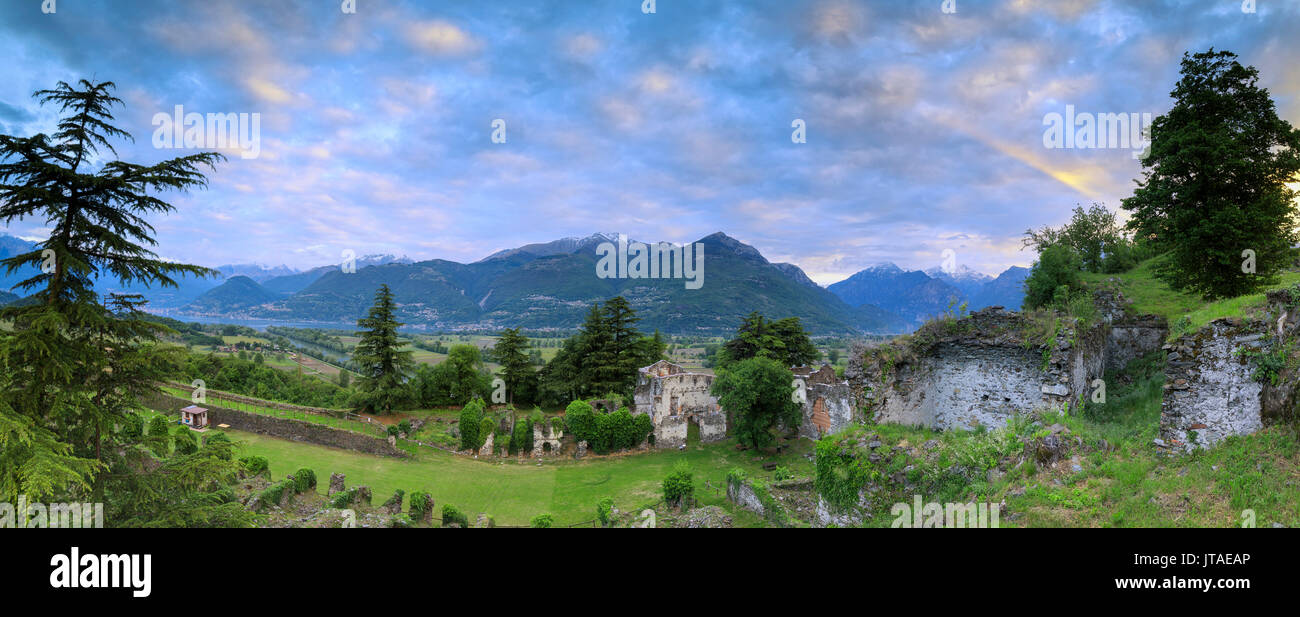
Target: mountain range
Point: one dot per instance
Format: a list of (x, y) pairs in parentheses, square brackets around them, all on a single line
[(552, 285)]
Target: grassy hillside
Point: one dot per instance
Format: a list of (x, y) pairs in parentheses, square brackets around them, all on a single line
[(1186, 312)]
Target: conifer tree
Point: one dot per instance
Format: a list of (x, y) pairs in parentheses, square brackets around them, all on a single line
[(74, 365), (382, 385)]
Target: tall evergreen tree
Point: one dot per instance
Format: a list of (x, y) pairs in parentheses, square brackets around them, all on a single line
[(383, 368), (1215, 182), (74, 366), (511, 352)]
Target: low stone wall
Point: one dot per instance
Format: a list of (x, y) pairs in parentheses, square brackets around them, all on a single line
[(1214, 389), (283, 428)]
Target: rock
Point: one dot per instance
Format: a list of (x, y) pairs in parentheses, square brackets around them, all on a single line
[(1160, 443), (394, 503), (1056, 389), (336, 484)]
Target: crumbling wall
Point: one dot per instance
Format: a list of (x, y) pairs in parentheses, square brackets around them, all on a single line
[(671, 397), (1214, 383), (980, 370), (828, 404), (546, 440)]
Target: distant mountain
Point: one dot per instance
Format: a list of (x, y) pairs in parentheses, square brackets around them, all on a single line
[(293, 283), (257, 272), (551, 285), (562, 246), (917, 296), (6, 298), (968, 281), (237, 294), (1007, 290), (912, 295)]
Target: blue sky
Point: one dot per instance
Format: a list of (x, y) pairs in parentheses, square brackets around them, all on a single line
[(924, 128)]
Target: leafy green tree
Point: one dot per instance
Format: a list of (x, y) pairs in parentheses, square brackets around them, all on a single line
[(384, 368), (454, 381), (679, 486), (511, 352), (75, 364), (1215, 182), (1055, 274), (757, 392), (783, 340)]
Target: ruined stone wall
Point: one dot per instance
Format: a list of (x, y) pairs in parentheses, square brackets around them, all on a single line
[(671, 397), (980, 370), (827, 408), (1214, 389), (283, 428)]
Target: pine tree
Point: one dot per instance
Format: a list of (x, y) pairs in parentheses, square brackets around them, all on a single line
[(516, 365), (382, 385), (74, 366), (1214, 184)]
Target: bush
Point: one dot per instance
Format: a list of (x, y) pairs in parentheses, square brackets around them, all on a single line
[(158, 426), (679, 486), (343, 499), (604, 511), (272, 494), (219, 445), (420, 500), (256, 465), (542, 521), (451, 515), (782, 473), (185, 441), (404, 426), (304, 480), (401, 521), (470, 422), (581, 420)]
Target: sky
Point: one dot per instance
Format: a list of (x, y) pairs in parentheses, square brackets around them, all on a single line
[(923, 126)]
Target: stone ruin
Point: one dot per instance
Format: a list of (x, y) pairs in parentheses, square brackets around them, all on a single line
[(546, 440), (827, 401), (1213, 387), (672, 397), (983, 369)]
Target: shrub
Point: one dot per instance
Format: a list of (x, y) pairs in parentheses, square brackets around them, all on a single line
[(604, 511), (420, 502), (542, 521), (470, 418), (581, 420), (401, 521), (343, 499), (782, 473), (487, 426), (158, 426), (185, 441), (304, 480), (219, 445), (272, 494), (679, 486), (256, 465), (451, 515), (404, 426)]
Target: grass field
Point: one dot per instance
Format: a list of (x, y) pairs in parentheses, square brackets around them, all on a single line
[(514, 492)]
